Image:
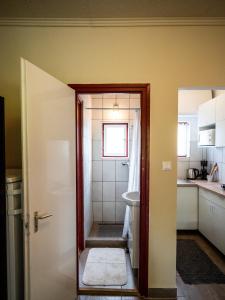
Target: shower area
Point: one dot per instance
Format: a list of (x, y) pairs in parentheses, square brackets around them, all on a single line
[(111, 167)]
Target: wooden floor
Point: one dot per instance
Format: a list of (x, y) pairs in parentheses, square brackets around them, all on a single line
[(202, 291), (128, 289)]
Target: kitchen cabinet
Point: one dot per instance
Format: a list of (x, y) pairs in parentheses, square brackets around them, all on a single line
[(220, 121), (207, 113), (187, 208), (212, 218), (220, 133)]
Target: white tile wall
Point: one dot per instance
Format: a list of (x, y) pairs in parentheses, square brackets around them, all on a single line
[(217, 155), (97, 191), (110, 177), (122, 172), (97, 211), (109, 170), (109, 213), (109, 191), (196, 153), (96, 170)]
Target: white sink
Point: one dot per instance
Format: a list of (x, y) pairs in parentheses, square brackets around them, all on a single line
[(132, 198)]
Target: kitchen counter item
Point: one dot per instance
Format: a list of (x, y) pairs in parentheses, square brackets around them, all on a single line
[(192, 173)]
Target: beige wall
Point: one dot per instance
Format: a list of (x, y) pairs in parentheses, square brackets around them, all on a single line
[(167, 58)]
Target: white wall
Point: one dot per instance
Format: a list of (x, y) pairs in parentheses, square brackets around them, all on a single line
[(87, 165), (110, 177), (196, 153)]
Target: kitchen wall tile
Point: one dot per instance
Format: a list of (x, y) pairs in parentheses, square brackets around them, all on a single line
[(224, 155), (97, 170), (195, 151), (97, 191), (109, 170), (218, 155), (223, 174), (210, 153), (122, 172), (109, 213), (182, 167), (121, 187), (97, 211), (97, 130), (120, 212), (195, 164), (109, 193), (96, 150)]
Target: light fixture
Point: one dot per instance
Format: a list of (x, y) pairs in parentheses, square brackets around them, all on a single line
[(115, 110)]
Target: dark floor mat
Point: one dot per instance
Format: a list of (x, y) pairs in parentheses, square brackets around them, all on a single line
[(194, 266)]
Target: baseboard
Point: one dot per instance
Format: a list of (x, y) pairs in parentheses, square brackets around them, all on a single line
[(156, 293)]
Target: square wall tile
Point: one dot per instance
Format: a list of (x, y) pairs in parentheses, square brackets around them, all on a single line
[(108, 103), (210, 153), (97, 170), (218, 155), (195, 151), (97, 103), (109, 170), (120, 212), (135, 103), (121, 187), (97, 191), (182, 167), (96, 150), (97, 130), (97, 211), (97, 114), (123, 103), (122, 172), (109, 213), (109, 193)]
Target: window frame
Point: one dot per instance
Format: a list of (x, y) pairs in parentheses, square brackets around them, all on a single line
[(187, 152), (126, 143)]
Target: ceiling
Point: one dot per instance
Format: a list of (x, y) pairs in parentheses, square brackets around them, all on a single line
[(111, 8)]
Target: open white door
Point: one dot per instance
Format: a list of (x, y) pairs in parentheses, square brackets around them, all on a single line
[(48, 141)]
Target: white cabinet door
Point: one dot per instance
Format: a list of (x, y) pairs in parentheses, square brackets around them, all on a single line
[(48, 140), (187, 208), (212, 218), (205, 217), (207, 113), (219, 220), (220, 133), (220, 108)]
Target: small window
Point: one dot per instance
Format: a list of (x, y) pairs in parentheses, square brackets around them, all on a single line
[(115, 139), (183, 139)]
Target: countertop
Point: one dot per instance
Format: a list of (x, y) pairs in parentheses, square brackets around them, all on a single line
[(214, 187)]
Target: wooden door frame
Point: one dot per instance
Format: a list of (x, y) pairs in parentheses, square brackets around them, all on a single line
[(144, 91)]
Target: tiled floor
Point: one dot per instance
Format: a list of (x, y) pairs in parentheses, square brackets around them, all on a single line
[(202, 291), (106, 235), (106, 230), (129, 288)]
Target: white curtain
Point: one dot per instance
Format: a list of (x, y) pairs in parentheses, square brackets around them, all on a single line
[(134, 170), (134, 166)]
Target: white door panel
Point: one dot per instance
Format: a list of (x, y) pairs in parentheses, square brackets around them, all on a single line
[(48, 134)]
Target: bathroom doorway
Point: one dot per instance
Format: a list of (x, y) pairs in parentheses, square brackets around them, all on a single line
[(101, 112)]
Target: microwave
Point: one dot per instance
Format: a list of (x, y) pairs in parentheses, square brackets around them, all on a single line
[(207, 137)]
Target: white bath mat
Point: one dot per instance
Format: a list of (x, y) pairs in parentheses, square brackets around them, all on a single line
[(105, 266)]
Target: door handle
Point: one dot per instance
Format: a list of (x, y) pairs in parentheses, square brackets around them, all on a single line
[(38, 217)]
